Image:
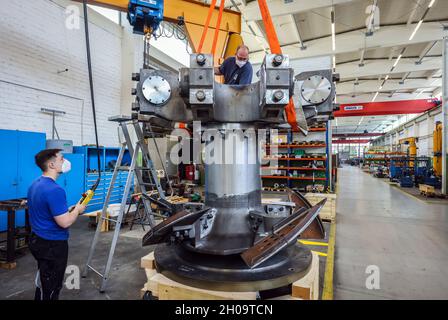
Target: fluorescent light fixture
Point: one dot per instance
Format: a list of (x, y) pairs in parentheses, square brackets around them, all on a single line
[(376, 95), (360, 120), (398, 60), (416, 29), (333, 37), (333, 31), (431, 3)]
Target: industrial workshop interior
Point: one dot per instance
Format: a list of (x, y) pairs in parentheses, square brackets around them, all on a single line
[(224, 150)]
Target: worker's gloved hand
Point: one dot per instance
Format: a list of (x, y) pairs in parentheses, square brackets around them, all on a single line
[(80, 208)]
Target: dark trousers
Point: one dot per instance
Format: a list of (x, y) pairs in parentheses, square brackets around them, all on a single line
[(51, 256)]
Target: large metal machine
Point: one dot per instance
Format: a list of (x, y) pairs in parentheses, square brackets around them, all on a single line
[(232, 241)]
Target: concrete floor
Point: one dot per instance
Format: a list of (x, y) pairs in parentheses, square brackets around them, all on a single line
[(378, 224), (127, 278)]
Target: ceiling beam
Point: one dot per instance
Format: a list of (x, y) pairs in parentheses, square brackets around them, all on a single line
[(437, 92), (432, 73), (355, 41), (297, 31), (425, 51), (371, 24), (362, 56), (403, 79), (280, 8), (367, 86), (378, 67)]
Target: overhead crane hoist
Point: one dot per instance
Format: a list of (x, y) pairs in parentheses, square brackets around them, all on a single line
[(233, 241), (146, 16)]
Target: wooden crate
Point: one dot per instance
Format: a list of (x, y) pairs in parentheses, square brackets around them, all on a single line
[(426, 190), (163, 288), (328, 212)]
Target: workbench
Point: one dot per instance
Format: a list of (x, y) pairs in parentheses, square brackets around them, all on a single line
[(8, 257)]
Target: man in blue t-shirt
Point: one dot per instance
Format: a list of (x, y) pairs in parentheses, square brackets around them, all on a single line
[(50, 219), (237, 69)]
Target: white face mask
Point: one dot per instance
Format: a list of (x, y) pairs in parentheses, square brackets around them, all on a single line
[(240, 63), (66, 166)]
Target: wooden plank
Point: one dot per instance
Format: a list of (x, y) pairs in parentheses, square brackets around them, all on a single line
[(328, 212), (147, 262), (8, 265), (167, 289), (307, 288)]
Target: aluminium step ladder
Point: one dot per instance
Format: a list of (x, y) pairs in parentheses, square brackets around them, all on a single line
[(145, 187)]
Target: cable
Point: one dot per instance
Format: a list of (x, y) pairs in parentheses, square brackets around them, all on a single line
[(92, 96)]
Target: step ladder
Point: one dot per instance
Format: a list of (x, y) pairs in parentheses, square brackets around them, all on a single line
[(145, 187)]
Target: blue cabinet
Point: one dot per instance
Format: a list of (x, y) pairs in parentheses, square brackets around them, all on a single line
[(17, 167), (108, 157)]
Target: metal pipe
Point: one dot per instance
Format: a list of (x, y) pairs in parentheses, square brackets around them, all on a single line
[(445, 114)]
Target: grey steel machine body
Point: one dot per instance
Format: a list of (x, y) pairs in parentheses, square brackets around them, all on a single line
[(217, 239)]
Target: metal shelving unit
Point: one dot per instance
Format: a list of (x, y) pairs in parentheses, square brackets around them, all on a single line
[(294, 168)]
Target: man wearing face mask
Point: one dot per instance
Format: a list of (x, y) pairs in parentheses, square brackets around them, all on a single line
[(50, 219), (236, 70)]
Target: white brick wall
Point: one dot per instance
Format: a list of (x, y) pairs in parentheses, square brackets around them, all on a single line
[(34, 46)]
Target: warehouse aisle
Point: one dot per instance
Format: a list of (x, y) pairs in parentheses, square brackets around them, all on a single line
[(379, 225)]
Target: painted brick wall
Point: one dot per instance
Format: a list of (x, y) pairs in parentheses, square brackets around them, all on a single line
[(34, 46)]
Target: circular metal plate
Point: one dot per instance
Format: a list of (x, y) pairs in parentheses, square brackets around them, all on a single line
[(230, 273), (316, 89), (156, 90)]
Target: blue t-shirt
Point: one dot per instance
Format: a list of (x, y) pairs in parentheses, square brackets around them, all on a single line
[(234, 74), (46, 200)]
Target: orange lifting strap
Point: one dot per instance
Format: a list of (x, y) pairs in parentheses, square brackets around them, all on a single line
[(207, 24), (218, 25), (274, 45)]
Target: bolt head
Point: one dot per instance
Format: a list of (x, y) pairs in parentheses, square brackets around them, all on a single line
[(200, 59), (200, 95), (278, 95), (278, 60), (136, 76)]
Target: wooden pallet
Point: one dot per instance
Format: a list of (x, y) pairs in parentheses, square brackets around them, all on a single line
[(163, 288), (427, 191), (8, 265), (328, 212)]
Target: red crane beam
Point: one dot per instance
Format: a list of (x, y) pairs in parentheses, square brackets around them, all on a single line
[(386, 108), (354, 141), (355, 135)]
